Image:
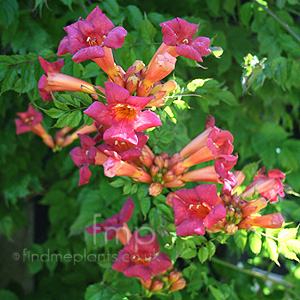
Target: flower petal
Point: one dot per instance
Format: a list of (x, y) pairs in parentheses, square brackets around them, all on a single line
[(189, 52), (115, 38), (99, 112), (121, 131), (217, 213), (138, 271), (115, 94), (180, 211), (126, 211), (123, 261), (88, 53), (145, 120), (160, 263), (191, 227), (84, 175)]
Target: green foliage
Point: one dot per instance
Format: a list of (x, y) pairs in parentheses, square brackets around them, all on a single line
[(250, 84)]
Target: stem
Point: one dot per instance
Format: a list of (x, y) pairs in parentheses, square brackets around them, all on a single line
[(252, 273), (286, 26)]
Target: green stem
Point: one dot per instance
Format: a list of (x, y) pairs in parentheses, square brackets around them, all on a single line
[(255, 274), (286, 26)]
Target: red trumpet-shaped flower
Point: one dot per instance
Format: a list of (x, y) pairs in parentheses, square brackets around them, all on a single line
[(139, 259), (178, 40), (123, 114), (268, 221), (269, 186), (210, 144), (85, 156), (56, 81), (115, 166), (87, 38), (116, 225), (194, 208), (30, 120)]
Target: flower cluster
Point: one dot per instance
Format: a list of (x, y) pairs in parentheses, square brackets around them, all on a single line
[(119, 145)]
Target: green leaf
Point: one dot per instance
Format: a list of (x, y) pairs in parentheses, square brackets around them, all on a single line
[(8, 295), (193, 85), (284, 249), (279, 70), (240, 239), (287, 234), (188, 253), (218, 295), (294, 245), (61, 122), (271, 248), (134, 16), (211, 249), (118, 183), (203, 254), (148, 31), (8, 12), (145, 205), (255, 242), (127, 188), (227, 97), (74, 118), (54, 112), (10, 80), (246, 13), (59, 104), (111, 7), (68, 3), (93, 292)]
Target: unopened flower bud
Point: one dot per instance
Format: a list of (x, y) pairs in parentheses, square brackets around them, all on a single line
[(169, 199), (231, 228), (164, 155), (155, 189), (174, 276), (242, 204), (178, 285), (159, 161), (156, 286), (154, 170), (169, 175), (146, 284), (165, 278), (146, 159), (132, 84), (238, 214), (230, 212), (167, 163)]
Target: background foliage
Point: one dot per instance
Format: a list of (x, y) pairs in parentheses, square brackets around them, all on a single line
[(252, 89)]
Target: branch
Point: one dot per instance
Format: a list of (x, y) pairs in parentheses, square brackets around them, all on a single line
[(286, 26)]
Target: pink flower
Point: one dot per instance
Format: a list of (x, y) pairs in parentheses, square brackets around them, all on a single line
[(56, 81), (210, 144), (138, 258), (178, 33), (123, 114), (194, 208), (87, 38), (30, 120), (116, 225), (115, 166), (88, 155), (268, 221), (269, 186)]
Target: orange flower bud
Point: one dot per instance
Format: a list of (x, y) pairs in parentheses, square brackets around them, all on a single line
[(178, 285)]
